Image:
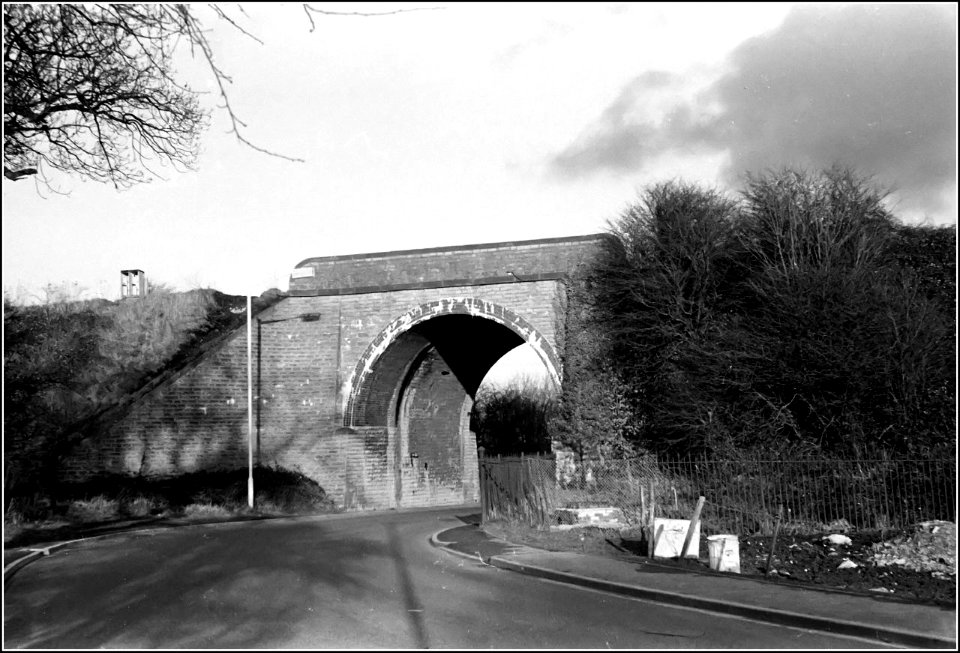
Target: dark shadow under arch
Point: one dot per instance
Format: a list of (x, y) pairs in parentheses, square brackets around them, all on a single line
[(469, 334)]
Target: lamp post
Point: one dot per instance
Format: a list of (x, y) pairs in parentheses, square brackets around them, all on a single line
[(250, 400), (304, 317)]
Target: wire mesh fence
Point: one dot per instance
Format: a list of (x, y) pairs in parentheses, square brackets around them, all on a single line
[(742, 497)]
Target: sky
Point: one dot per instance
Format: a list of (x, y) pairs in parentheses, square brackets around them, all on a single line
[(473, 123)]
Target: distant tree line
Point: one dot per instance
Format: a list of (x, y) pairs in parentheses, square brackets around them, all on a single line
[(514, 418), (799, 318)]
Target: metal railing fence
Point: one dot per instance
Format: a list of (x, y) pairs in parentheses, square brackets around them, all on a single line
[(742, 497)]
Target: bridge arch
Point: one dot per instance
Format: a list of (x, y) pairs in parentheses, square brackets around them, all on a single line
[(349, 413), (467, 334)]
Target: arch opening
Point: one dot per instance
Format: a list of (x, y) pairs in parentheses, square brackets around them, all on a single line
[(418, 380), (471, 336)]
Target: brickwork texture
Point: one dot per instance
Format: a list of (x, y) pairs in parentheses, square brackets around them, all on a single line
[(363, 378)]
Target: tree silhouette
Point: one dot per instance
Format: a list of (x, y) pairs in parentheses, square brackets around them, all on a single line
[(800, 318), (89, 89)]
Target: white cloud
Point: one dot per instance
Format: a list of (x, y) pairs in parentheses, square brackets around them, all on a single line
[(873, 87)]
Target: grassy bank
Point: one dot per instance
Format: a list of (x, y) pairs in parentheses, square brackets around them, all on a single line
[(110, 501)]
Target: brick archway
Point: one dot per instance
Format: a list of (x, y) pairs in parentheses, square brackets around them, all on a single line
[(347, 413), (407, 337)]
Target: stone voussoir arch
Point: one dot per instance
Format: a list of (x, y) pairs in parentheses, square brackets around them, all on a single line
[(449, 306)]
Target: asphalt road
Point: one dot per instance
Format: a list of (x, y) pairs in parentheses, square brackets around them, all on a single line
[(347, 581)]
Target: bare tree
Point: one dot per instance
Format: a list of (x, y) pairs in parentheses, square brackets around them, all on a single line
[(90, 89)]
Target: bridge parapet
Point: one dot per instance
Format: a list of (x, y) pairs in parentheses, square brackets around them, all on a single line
[(439, 267)]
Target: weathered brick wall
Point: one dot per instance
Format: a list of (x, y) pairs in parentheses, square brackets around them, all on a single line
[(459, 265), (196, 421), (432, 451), (305, 375), (387, 316)]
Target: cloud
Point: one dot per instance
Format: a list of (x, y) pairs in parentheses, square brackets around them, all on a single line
[(619, 140), (873, 87)]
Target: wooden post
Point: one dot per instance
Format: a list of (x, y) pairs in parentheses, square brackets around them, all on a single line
[(643, 505), (523, 492), (651, 523), (483, 485), (693, 524), (773, 542)]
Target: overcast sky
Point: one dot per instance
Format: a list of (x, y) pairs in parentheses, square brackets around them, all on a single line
[(480, 123)]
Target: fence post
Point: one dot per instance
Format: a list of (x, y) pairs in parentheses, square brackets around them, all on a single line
[(583, 469), (523, 492), (483, 485), (651, 524), (773, 542), (693, 524), (643, 505)]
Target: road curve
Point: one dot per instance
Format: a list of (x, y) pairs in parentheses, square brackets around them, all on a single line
[(345, 581)]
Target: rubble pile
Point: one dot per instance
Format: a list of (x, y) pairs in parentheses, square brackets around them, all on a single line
[(930, 547)]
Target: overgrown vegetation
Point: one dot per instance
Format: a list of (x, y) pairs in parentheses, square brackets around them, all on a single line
[(199, 495), (798, 319), (66, 362), (514, 419), (592, 414)]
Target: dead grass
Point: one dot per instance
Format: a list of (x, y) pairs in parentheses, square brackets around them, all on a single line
[(99, 508), (120, 501), (141, 506), (207, 510)]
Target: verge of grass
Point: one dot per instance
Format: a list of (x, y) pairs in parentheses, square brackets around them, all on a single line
[(207, 510), (98, 509), (110, 501)]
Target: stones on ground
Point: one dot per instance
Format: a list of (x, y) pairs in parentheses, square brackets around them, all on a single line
[(930, 546), (838, 539), (605, 517), (847, 564)]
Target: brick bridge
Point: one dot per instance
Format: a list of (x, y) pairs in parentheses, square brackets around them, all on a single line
[(364, 374)]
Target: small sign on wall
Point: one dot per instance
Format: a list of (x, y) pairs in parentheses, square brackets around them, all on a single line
[(300, 273)]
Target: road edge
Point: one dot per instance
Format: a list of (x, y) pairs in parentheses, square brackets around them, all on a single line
[(34, 553), (842, 627)]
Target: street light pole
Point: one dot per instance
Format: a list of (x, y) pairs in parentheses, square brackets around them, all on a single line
[(305, 317), (250, 399)]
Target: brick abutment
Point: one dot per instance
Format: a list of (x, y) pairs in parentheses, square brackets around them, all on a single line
[(363, 377)]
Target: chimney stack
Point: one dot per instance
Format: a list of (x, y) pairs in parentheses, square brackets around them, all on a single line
[(133, 283)]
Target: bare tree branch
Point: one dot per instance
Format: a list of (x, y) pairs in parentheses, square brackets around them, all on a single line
[(308, 9), (89, 89), (227, 18)]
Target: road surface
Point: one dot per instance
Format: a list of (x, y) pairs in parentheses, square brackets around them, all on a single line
[(344, 581)]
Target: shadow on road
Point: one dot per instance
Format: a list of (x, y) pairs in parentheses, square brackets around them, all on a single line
[(411, 602), (246, 585), (472, 519)]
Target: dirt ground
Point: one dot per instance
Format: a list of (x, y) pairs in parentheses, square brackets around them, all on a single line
[(917, 566)]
